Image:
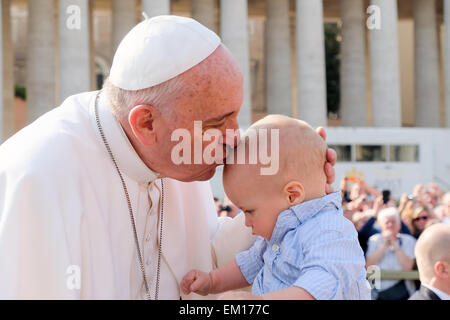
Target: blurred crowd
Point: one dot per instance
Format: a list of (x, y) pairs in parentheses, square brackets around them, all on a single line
[(362, 203), (387, 227)]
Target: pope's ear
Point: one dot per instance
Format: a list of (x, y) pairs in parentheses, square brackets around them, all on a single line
[(294, 193), (141, 119)]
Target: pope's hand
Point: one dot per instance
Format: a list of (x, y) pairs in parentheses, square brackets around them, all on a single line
[(196, 281), (238, 295), (331, 161)]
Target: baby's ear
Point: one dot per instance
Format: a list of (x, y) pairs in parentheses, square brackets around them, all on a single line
[(294, 193)]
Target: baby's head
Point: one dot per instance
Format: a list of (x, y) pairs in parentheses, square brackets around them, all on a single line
[(300, 176)]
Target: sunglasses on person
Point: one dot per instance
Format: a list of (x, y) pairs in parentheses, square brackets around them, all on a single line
[(421, 218)]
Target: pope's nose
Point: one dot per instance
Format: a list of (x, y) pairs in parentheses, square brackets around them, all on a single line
[(231, 137), (247, 222)]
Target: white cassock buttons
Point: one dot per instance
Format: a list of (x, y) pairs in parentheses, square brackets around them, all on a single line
[(275, 247)]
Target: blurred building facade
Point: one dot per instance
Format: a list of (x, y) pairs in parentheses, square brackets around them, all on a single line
[(394, 55)]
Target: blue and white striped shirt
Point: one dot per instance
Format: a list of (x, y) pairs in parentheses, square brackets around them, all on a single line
[(313, 246)]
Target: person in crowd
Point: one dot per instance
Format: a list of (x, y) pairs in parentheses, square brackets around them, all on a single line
[(417, 220), (433, 261), (438, 211), (445, 215), (344, 192), (306, 249), (404, 203), (428, 195), (360, 218), (348, 213), (391, 250), (228, 209), (431, 222), (433, 195), (362, 195), (418, 191), (218, 205), (436, 191), (372, 226)]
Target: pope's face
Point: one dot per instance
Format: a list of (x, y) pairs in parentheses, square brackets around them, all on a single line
[(212, 100)]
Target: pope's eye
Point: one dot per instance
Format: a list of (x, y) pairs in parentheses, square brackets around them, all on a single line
[(213, 126), (249, 211)]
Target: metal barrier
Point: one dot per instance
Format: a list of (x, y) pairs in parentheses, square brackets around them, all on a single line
[(398, 275)]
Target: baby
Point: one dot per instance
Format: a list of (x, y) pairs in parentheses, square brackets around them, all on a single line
[(307, 249)]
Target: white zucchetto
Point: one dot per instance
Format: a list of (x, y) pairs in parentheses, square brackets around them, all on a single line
[(159, 49)]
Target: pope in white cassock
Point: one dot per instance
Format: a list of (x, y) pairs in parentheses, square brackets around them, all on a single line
[(92, 205)]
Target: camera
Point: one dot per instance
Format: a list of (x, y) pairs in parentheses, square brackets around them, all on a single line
[(386, 196)]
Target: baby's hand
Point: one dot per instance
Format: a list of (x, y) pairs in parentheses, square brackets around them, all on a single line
[(196, 281)]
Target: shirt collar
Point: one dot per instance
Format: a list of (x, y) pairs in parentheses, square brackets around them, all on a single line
[(298, 214), (441, 294), (126, 157), (308, 209)]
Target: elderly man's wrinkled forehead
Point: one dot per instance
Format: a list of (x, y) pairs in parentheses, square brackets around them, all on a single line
[(212, 88)]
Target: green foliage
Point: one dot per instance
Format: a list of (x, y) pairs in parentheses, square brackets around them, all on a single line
[(20, 92)]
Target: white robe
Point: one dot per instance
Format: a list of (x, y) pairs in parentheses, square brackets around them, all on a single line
[(65, 230)]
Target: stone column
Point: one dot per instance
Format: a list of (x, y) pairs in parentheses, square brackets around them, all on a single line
[(385, 69), (311, 84), (234, 32), (40, 59), (447, 61), (74, 48), (278, 58), (353, 103), (204, 11), (124, 19), (426, 64), (156, 7)]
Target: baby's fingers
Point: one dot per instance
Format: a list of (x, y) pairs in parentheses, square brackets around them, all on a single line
[(196, 285), (200, 286), (187, 281), (185, 287)]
